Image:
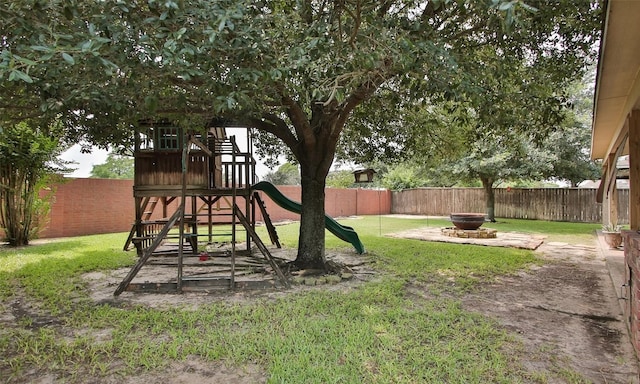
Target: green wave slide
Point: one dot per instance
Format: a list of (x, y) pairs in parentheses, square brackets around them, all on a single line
[(342, 232)]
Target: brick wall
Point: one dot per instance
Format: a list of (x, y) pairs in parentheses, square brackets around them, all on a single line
[(92, 206), (632, 304), (373, 202), (337, 203)]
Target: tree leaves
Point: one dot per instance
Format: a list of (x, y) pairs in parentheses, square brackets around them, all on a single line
[(237, 56), (27, 156), (19, 75), (115, 167), (68, 58)]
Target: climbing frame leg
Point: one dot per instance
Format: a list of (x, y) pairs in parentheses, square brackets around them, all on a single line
[(261, 246), (147, 253)]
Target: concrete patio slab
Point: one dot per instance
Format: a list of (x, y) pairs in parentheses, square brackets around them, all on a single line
[(503, 239)]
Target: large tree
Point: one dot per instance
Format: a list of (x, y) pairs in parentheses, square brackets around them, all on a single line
[(294, 70), (571, 144), (571, 149), (492, 160)]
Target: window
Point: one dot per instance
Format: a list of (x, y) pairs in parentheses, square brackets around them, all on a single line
[(168, 138)]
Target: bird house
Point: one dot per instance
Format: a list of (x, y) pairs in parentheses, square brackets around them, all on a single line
[(364, 175)]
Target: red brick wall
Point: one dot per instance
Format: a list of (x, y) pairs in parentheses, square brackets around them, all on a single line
[(92, 206), (632, 305), (373, 202), (337, 203), (276, 213)]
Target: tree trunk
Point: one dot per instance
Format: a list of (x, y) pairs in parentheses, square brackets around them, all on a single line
[(315, 161), (312, 228), (490, 198), (17, 206)]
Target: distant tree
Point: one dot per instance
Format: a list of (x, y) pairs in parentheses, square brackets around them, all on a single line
[(286, 174), (521, 127), (571, 144), (403, 176), (340, 179), (505, 134), (115, 167), (492, 161), (571, 149), (28, 159)]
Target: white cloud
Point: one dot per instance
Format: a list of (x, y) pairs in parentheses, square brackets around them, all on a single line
[(84, 161)]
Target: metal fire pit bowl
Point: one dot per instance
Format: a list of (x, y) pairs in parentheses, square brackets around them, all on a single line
[(467, 221)]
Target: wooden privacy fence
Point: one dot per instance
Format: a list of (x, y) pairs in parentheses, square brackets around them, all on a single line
[(554, 204)]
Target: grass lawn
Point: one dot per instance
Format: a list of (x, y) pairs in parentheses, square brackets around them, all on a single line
[(376, 333)]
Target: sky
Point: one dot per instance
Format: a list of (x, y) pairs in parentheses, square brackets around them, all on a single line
[(84, 161)]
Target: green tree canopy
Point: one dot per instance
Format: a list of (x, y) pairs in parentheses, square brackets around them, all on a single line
[(341, 179), (294, 70), (404, 176), (490, 160), (115, 167), (521, 127), (571, 143), (286, 174)]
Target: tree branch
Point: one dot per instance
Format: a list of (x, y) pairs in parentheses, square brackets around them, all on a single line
[(273, 124), (384, 8), (306, 12), (362, 93), (356, 16), (298, 118)]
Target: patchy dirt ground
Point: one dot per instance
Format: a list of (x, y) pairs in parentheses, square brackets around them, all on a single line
[(565, 313)]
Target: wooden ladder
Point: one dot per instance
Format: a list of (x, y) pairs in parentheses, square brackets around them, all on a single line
[(148, 211), (147, 206), (271, 229)]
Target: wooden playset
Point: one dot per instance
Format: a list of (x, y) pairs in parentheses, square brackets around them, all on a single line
[(194, 199)]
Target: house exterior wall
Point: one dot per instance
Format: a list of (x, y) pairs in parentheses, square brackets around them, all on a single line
[(632, 288)]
